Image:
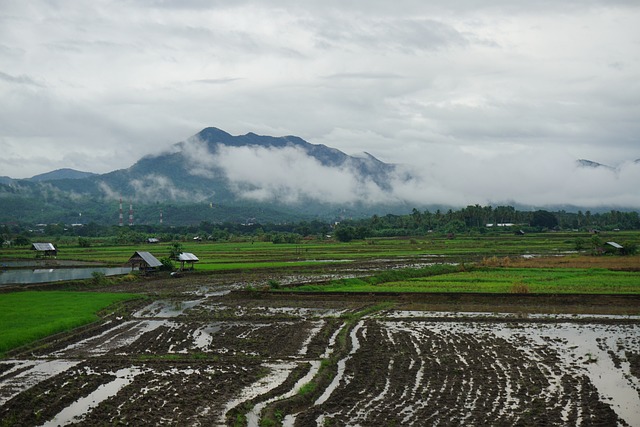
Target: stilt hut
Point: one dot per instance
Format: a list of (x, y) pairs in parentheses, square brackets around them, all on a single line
[(44, 250), (144, 261), (187, 258)]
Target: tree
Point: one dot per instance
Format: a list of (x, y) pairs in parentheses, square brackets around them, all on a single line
[(345, 233), (544, 219), (21, 241), (175, 250)]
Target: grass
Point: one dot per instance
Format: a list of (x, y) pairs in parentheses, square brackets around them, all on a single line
[(28, 316), (493, 280), (232, 255)]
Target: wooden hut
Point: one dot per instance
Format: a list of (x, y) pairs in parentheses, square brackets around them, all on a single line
[(187, 258), (144, 261), (44, 249), (613, 248)]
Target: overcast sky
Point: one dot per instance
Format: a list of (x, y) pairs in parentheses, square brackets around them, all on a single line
[(488, 100)]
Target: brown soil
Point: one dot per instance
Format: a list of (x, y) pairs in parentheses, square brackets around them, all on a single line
[(193, 358)]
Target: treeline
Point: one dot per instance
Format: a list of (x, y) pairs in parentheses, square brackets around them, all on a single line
[(476, 218), (483, 219)]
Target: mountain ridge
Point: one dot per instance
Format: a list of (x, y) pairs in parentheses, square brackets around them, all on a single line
[(195, 171), (219, 175)]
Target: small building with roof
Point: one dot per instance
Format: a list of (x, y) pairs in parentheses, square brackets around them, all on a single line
[(187, 258), (144, 261), (613, 247), (44, 249)]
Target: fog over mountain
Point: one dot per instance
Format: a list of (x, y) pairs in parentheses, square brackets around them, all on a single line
[(291, 171), (288, 172), (475, 102)]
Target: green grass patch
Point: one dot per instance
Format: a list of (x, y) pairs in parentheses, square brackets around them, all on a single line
[(28, 316), (377, 283), (454, 279)]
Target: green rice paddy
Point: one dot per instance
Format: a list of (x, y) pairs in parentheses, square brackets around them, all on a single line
[(28, 316), (497, 280)]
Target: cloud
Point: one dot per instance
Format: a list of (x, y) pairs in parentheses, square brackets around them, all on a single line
[(26, 80), (153, 187), (291, 176), (460, 91), (454, 178)]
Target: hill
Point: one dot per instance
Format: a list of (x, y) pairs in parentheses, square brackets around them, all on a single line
[(211, 176)]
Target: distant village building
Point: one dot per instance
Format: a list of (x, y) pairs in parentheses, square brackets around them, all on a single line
[(44, 250), (153, 240), (188, 258), (144, 261)]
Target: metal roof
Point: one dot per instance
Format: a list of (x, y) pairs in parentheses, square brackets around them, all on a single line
[(186, 256), (148, 258), (43, 247), (615, 245)]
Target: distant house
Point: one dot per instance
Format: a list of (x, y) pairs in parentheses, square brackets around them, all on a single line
[(153, 240), (188, 258), (613, 247), (44, 249), (144, 261)]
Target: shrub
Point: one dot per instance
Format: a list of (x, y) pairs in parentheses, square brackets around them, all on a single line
[(519, 288), (273, 284), (99, 278), (167, 264)]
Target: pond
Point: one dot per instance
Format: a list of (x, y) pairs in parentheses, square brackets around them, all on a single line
[(44, 275)]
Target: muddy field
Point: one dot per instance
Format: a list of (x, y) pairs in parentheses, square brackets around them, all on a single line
[(206, 354)]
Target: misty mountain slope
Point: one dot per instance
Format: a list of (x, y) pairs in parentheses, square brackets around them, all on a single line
[(584, 163), (368, 166), (64, 173), (215, 166)]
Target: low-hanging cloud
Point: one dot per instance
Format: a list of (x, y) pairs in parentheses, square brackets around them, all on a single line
[(290, 175), (452, 178)]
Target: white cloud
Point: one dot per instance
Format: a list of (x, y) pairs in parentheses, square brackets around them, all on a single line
[(289, 175), (454, 177), (466, 88)]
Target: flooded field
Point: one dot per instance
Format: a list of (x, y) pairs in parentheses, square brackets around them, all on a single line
[(211, 356)]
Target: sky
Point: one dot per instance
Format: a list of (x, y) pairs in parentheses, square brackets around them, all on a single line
[(483, 101)]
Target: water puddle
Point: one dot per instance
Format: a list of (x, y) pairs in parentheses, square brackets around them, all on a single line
[(253, 417), (203, 337), (355, 346), (76, 412), (44, 275), (317, 326), (597, 350), (37, 372), (277, 375), (165, 308), (587, 349), (111, 339)]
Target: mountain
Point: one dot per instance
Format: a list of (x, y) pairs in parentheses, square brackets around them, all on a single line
[(215, 174), (64, 173), (591, 164), (204, 168)]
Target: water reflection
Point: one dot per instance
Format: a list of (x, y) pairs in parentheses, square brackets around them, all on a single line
[(56, 274)]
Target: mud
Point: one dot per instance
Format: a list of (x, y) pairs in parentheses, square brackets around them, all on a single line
[(203, 352)]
